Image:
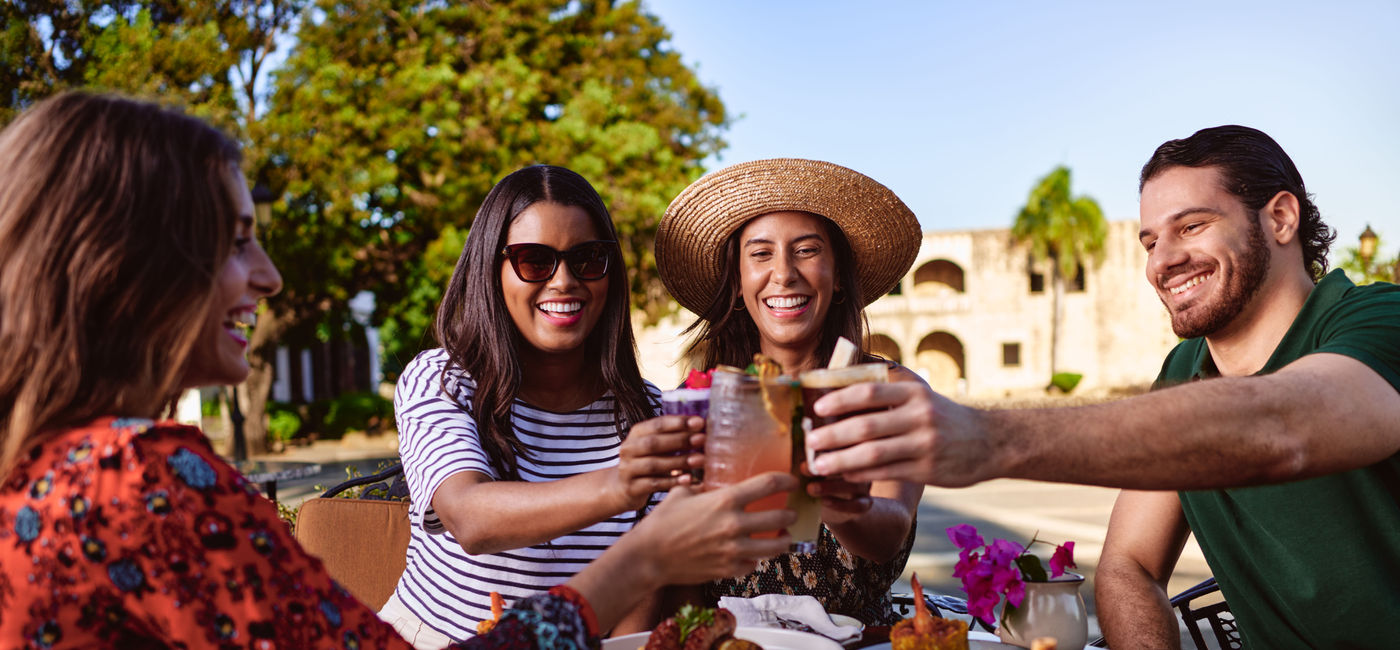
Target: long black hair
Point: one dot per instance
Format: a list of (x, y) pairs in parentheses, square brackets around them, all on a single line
[(1253, 168), (726, 334), (474, 326)]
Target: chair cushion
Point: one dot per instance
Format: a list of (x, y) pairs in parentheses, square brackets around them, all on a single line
[(362, 543)]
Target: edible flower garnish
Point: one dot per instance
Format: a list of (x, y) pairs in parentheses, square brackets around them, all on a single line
[(697, 379)]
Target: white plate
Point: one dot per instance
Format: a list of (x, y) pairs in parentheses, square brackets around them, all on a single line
[(769, 638), (976, 640)]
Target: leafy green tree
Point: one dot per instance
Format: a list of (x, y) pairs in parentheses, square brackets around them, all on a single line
[(393, 118), (208, 57), (387, 125), (1069, 231)]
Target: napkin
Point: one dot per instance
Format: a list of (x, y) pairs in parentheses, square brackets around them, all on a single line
[(766, 610)]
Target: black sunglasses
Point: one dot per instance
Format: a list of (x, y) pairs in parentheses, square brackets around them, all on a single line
[(537, 262)]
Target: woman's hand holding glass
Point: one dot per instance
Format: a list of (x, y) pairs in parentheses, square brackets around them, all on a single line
[(842, 500), (653, 459)]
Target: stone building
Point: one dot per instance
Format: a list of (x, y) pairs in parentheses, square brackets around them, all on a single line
[(974, 317)]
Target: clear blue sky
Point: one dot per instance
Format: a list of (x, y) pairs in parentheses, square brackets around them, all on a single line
[(959, 107)]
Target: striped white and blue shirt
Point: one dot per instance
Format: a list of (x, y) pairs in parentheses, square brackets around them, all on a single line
[(446, 587)]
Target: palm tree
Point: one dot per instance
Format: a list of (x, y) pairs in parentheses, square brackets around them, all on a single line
[(1065, 229)]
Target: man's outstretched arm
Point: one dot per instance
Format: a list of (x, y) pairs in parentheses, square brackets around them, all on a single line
[(1321, 414)]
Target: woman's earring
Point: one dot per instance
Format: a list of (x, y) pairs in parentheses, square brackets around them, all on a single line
[(740, 306), (840, 298)]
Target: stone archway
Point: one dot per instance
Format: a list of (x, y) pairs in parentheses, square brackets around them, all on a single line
[(938, 276), (941, 361), (884, 346)]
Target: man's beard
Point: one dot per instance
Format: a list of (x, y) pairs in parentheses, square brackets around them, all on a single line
[(1235, 293)]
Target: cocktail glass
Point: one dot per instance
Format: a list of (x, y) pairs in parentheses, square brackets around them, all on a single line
[(816, 383), (687, 401), (747, 435)]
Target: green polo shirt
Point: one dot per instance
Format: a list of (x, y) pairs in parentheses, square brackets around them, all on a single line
[(1312, 563)]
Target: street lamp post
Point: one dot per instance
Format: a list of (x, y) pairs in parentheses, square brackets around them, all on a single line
[(1369, 239), (262, 213), (1367, 252)]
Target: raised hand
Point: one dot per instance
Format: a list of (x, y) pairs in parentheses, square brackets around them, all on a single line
[(697, 537), (922, 438), (655, 457)]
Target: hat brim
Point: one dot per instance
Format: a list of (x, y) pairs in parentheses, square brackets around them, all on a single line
[(883, 232)]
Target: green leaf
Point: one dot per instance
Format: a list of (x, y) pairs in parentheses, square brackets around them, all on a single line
[(690, 618), (1031, 568)]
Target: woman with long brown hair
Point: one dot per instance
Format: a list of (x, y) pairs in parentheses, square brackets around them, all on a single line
[(129, 270), (781, 257), (529, 439)]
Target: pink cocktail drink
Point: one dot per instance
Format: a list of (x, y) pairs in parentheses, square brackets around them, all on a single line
[(743, 439)]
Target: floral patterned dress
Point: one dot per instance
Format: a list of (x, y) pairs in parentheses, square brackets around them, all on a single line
[(843, 582), (130, 534)]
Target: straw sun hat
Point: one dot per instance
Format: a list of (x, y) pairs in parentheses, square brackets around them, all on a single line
[(883, 232)]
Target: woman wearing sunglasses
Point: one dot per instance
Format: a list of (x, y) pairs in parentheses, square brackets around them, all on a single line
[(528, 439)]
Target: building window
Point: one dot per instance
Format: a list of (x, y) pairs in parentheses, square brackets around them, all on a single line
[(1011, 355), (1037, 282), (898, 290), (1078, 284)]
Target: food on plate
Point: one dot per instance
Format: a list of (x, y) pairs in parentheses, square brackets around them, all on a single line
[(698, 628), (924, 632), (498, 605)]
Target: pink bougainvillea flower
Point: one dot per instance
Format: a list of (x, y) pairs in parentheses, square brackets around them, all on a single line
[(990, 572), (967, 562), (1004, 553), (964, 536), (1062, 559), (697, 379)]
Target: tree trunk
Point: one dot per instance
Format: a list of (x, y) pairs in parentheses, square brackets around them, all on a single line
[(257, 388)]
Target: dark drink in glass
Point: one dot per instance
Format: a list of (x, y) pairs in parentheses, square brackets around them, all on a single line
[(816, 383)]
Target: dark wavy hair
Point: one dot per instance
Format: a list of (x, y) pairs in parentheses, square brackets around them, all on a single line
[(115, 216), (474, 326), (726, 334), (1254, 168)]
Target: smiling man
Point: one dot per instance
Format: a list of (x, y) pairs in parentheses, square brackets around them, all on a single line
[(1273, 434), (1234, 246)]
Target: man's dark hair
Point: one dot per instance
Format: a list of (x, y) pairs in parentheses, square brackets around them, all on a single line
[(1254, 169)]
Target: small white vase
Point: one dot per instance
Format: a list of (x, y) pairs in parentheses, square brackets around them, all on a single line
[(1053, 609)]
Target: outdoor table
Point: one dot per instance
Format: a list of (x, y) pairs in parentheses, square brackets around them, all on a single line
[(269, 472)]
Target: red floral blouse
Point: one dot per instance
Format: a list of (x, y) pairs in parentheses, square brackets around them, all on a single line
[(126, 533)]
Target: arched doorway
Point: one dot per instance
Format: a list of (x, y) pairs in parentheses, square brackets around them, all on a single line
[(940, 360), (938, 276), (885, 347)]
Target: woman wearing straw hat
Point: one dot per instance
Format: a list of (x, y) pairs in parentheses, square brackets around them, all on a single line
[(780, 257)]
